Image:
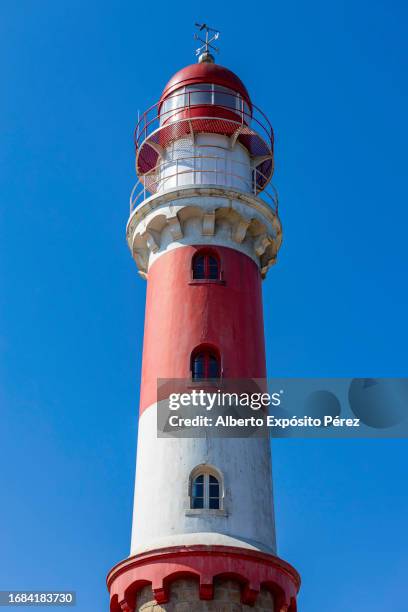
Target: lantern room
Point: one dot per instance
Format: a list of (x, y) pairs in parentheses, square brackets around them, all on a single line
[(205, 90), (204, 130)]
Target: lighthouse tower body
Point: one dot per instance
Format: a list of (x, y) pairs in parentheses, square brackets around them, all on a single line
[(203, 230)]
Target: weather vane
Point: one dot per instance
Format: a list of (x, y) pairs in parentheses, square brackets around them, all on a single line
[(203, 52)]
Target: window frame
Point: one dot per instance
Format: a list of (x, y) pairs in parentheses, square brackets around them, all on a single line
[(208, 352), (206, 491), (194, 497), (206, 253), (207, 472)]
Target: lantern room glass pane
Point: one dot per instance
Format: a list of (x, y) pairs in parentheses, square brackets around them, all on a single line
[(199, 94), (224, 96), (176, 100)]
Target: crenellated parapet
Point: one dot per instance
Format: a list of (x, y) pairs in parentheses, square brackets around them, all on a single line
[(190, 576)]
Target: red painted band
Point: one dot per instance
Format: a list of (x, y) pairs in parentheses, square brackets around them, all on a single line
[(181, 315), (159, 568)]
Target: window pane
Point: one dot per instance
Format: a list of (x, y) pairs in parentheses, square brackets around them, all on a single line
[(199, 267), (179, 99), (214, 490), (165, 107), (213, 369), (199, 94), (198, 490), (212, 267), (214, 504), (224, 97), (213, 480), (176, 100), (198, 366)]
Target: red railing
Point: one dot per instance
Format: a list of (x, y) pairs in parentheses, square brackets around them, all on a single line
[(235, 117)]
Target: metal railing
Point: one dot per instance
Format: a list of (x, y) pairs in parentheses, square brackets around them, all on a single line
[(183, 172), (237, 113)]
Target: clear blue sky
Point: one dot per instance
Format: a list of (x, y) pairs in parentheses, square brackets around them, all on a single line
[(332, 78)]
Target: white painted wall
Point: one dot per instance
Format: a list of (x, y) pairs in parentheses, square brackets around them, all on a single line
[(161, 491)]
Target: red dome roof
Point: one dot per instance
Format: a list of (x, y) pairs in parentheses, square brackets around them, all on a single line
[(206, 73)]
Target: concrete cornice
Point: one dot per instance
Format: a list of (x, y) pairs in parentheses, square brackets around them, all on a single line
[(213, 214)]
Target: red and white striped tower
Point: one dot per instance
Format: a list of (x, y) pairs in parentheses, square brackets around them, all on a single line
[(203, 230)]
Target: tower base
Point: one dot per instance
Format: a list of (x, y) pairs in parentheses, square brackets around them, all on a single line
[(216, 578)]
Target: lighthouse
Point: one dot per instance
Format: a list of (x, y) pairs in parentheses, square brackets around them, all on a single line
[(204, 230)]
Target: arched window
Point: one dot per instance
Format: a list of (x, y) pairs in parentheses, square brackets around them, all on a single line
[(205, 492), (205, 363), (206, 266)]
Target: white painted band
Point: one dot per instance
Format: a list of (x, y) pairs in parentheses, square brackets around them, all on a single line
[(161, 509)]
